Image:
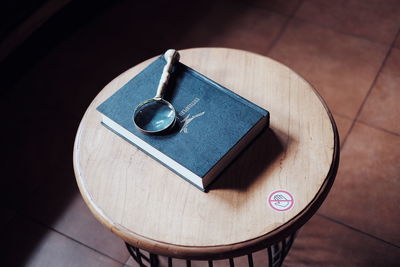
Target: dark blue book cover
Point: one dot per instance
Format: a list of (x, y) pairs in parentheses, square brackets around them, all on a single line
[(213, 123)]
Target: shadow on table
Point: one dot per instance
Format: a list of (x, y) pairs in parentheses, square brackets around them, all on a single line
[(254, 160)]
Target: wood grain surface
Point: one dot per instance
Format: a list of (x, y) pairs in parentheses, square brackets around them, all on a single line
[(150, 207)]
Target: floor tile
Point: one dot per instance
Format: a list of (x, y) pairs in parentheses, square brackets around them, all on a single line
[(382, 108), (341, 67), (321, 242), (260, 258), (284, 7), (162, 261), (370, 19), (6, 216), (25, 243), (132, 263), (365, 193), (343, 124), (236, 26), (397, 42), (68, 214), (36, 149)]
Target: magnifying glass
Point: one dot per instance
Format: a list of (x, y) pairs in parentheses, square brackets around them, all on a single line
[(156, 115)]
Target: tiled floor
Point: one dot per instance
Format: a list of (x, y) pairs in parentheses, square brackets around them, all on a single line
[(347, 49)]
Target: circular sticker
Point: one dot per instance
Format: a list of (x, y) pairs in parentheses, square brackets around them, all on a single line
[(280, 200)]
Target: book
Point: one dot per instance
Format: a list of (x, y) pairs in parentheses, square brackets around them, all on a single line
[(213, 124)]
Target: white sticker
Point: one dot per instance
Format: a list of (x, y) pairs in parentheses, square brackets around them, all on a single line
[(280, 200)]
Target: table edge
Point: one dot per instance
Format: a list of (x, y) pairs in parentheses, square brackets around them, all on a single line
[(220, 251)]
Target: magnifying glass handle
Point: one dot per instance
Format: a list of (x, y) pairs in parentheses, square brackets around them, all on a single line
[(171, 56)]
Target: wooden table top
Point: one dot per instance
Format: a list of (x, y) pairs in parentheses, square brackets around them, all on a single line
[(150, 207)]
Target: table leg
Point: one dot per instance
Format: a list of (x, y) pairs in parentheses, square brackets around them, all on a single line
[(137, 255), (277, 252), (276, 255)]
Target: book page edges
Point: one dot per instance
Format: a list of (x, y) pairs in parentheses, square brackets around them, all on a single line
[(150, 150)]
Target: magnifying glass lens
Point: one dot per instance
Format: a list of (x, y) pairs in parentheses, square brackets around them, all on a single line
[(154, 116)]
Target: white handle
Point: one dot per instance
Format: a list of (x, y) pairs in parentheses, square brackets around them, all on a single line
[(171, 56)]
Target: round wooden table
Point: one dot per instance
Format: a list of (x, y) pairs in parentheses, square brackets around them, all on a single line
[(153, 209)]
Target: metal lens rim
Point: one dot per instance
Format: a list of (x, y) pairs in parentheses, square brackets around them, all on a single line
[(137, 109)]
